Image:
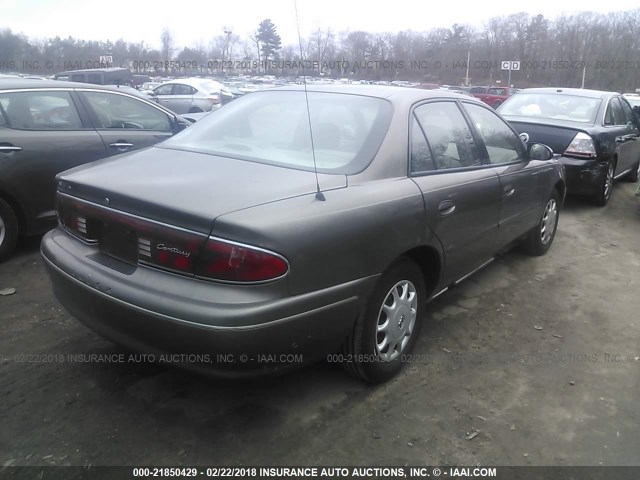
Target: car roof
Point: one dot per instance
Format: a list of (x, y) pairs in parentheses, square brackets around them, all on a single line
[(193, 81), (27, 83), (579, 92), (389, 92), (95, 70)]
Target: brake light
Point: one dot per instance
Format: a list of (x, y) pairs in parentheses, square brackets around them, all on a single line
[(167, 247), (214, 97), (581, 146), (227, 261), (75, 217)]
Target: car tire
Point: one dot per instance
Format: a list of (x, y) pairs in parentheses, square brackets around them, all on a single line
[(364, 354), (634, 174), (606, 186), (8, 230), (539, 239)]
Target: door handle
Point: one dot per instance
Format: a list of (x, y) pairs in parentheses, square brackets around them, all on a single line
[(447, 207), (509, 190), (121, 145), (9, 148)]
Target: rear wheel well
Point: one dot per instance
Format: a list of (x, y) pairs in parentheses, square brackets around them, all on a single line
[(15, 206), (428, 260)]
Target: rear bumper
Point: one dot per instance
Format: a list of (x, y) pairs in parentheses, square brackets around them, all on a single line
[(583, 177), (232, 330)]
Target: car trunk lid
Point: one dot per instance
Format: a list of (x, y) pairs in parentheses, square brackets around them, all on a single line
[(555, 134), (187, 189)]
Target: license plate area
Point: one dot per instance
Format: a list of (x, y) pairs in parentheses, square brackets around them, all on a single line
[(119, 241)]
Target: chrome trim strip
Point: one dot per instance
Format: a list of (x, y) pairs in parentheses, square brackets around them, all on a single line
[(461, 279), (131, 215), (165, 225)]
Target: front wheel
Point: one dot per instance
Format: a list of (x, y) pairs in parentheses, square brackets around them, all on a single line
[(8, 230), (540, 238), (389, 327)]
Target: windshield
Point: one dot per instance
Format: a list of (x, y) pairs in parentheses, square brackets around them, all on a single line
[(552, 105), (273, 127)]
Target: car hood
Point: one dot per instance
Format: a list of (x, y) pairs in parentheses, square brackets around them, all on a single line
[(187, 189)]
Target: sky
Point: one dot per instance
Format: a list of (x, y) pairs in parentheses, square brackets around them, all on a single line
[(194, 21)]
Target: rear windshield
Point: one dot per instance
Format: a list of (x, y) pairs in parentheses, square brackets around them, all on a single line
[(273, 127), (552, 105)]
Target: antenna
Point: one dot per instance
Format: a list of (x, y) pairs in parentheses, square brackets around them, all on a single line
[(319, 195)]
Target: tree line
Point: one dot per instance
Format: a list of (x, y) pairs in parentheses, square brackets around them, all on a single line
[(601, 49)]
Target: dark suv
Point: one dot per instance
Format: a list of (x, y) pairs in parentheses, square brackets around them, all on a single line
[(99, 76), (50, 126)]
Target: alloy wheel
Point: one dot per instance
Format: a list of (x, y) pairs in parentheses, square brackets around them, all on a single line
[(396, 320)]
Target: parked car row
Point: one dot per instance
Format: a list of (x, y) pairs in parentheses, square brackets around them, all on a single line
[(272, 241)]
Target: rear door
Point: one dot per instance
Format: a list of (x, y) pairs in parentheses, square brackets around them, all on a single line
[(523, 181), (462, 194), (164, 95), (126, 123), (633, 134), (42, 133), (617, 131), (182, 98)]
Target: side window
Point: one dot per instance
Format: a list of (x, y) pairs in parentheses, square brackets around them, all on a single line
[(40, 111), (94, 78), (503, 146), (421, 160), (614, 115), (4, 102), (119, 111), (626, 109), (448, 134), (180, 89), (163, 90)]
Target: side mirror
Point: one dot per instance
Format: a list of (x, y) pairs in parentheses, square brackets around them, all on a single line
[(180, 124), (539, 151)]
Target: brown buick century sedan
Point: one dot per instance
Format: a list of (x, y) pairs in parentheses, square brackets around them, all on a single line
[(293, 224)]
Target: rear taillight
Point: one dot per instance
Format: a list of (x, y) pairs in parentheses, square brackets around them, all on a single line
[(167, 247), (233, 262), (214, 97), (581, 146), (76, 218), (158, 245)]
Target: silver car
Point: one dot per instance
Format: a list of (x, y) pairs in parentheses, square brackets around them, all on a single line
[(192, 95)]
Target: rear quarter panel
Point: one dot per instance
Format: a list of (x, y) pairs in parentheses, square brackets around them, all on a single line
[(357, 232)]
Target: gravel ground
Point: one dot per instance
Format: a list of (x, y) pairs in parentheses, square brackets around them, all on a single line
[(532, 361)]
